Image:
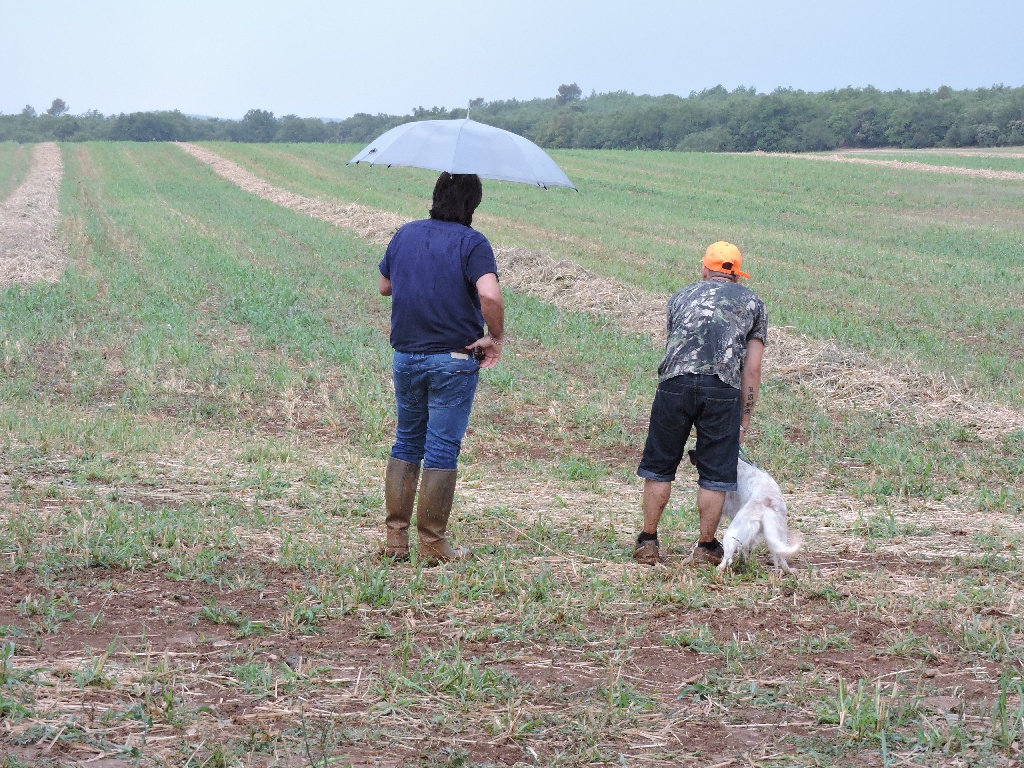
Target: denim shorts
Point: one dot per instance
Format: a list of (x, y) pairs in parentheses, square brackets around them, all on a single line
[(434, 395), (680, 404)]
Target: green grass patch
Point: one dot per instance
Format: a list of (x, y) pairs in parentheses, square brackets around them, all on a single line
[(14, 163)]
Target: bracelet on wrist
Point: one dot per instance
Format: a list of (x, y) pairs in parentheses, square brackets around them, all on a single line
[(496, 342)]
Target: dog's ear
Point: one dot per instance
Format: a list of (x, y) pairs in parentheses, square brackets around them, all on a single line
[(692, 454)]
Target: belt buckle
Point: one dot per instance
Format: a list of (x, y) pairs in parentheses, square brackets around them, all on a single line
[(460, 355)]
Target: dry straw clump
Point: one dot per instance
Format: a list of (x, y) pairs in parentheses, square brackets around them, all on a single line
[(569, 286), (844, 379), (840, 379), (30, 251)]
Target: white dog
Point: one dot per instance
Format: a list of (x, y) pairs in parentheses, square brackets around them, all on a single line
[(758, 513)]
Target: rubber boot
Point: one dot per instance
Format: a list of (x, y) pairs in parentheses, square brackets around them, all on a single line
[(437, 490), (399, 493)]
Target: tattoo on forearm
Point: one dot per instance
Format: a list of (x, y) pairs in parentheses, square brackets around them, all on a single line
[(748, 406)]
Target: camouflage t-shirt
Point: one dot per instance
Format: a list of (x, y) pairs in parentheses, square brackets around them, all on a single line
[(709, 324)]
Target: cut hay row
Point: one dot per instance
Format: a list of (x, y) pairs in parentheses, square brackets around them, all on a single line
[(938, 151), (905, 165), (374, 225), (838, 378), (29, 248)]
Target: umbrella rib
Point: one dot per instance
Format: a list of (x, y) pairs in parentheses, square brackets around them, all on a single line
[(455, 146)]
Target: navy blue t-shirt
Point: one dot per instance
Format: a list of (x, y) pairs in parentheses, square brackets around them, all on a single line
[(433, 267)]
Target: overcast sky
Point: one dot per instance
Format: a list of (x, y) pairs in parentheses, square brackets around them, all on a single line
[(316, 58)]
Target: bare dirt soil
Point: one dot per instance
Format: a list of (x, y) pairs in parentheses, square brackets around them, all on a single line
[(158, 624)]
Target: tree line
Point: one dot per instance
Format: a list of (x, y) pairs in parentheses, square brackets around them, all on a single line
[(712, 120)]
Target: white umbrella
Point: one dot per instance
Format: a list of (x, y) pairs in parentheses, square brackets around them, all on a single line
[(465, 146)]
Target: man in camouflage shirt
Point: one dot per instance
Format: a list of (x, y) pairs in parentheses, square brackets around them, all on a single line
[(709, 379)]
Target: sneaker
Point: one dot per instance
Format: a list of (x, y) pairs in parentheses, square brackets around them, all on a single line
[(711, 554), (646, 553)]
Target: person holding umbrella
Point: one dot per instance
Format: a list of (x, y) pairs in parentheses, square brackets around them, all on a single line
[(442, 278), (709, 379)]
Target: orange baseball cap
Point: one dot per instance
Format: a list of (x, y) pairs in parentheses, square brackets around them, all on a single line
[(724, 257)]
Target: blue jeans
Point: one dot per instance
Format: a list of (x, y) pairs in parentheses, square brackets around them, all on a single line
[(434, 394)]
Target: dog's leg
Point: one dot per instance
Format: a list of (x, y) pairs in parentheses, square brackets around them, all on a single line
[(780, 563), (777, 537), (728, 549)]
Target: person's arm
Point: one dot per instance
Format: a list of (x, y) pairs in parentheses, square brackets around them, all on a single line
[(493, 308), (384, 286), (750, 383)]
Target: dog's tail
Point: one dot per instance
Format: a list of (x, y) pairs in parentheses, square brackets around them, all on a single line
[(778, 537)]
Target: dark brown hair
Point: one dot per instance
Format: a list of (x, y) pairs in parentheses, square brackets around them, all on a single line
[(456, 196)]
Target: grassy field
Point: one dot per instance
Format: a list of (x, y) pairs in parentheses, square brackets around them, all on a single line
[(196, 421), (14, 160), (941, 254)]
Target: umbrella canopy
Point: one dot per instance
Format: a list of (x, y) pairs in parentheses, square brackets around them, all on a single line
[(465, 146)]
